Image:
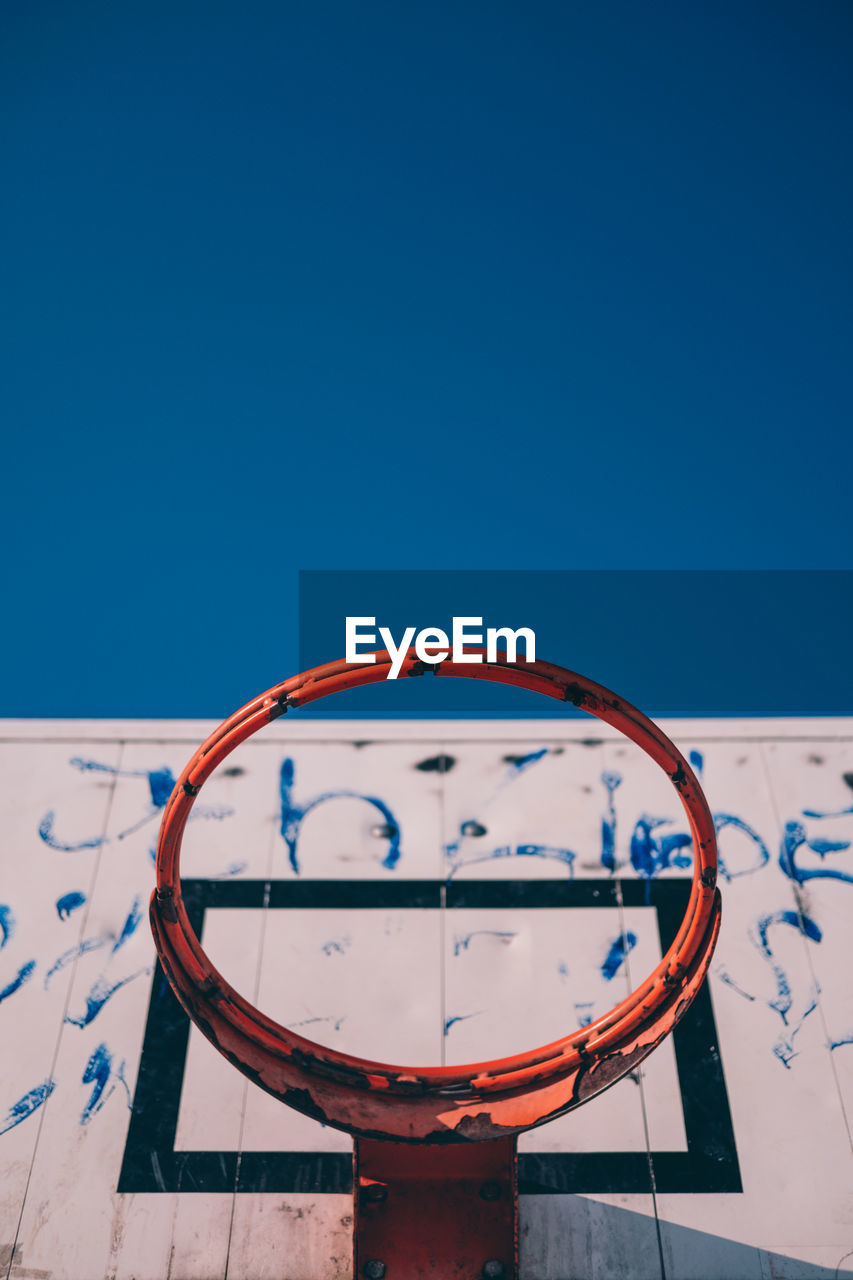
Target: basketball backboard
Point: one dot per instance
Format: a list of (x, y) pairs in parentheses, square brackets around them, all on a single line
[(425, 892)]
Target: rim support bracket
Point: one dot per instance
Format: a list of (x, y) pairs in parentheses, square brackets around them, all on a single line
[(435, 1211)]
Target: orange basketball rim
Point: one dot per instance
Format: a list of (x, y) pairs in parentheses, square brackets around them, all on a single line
[(457, 1104)]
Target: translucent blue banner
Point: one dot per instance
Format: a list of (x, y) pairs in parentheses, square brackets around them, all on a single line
[(675, 643)]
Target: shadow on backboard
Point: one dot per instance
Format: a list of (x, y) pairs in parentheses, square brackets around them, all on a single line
[(568, 1237)]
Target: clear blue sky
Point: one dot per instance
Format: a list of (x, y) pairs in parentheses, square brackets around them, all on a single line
[(341, 285)]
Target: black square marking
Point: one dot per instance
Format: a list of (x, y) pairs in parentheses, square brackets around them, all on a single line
[(151, 1163)]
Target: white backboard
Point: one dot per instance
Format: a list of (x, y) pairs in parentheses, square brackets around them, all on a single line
[(424, 892)]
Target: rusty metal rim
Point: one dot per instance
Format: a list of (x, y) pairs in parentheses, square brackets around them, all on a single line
[(253, 1035)]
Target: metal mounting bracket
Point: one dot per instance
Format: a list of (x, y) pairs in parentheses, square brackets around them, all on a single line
[(446, 1212)]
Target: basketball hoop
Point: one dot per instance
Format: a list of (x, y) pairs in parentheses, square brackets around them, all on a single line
[(436, 1105)]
